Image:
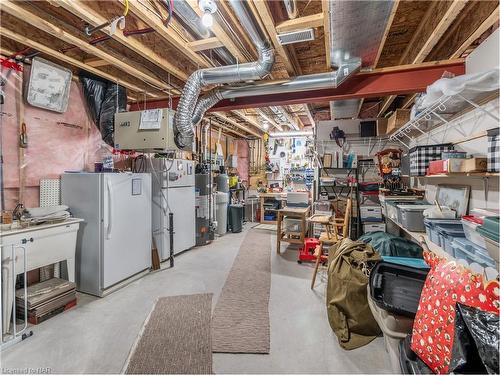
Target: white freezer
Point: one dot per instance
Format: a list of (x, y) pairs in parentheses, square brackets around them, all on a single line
[(114, 243)]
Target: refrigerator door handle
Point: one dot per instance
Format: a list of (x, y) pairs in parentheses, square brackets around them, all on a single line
[(110, 208)]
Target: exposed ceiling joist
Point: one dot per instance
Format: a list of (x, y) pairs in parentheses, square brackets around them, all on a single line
[(218, 124), (204, 44), (488, 22), (430, 36), (15, 10), (269, 119), (69, 60), (248, 119), (168, 34), (288, 56), (220, 34), (83, 11), (223, 116), (96, 62), (326, 27), (300, 23)]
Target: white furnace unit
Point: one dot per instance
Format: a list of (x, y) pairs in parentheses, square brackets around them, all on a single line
[(173, 191)]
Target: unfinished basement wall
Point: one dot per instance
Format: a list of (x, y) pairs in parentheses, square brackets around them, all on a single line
[(57, 142)]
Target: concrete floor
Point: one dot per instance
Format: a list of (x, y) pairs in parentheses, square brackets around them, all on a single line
[(96, 337)]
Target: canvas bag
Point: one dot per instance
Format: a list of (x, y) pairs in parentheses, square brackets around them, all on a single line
[(349, 315)]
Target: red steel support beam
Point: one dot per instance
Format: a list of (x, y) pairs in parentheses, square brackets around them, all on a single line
[(382, 82)]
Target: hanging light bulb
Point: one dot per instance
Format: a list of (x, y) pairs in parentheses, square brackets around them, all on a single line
[(208, 7), (265, 126), (207, 19)]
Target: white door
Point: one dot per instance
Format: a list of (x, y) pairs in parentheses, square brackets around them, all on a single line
[(126, 226), (181, 201)]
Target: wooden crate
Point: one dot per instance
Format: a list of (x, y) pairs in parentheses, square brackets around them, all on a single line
[(381, 126), (397, 120)]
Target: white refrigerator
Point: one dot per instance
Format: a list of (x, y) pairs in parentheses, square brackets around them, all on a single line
[(114, 241), (173, 191)]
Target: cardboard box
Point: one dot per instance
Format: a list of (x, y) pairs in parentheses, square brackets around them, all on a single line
[(397, 120), (381, 126), (474, 165), (453, 165), (327, 160)]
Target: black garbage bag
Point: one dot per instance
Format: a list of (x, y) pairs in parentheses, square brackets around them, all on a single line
[(104, 99), (115, 100), (476, 342)]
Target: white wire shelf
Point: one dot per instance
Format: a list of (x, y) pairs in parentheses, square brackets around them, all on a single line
[(441, 112)]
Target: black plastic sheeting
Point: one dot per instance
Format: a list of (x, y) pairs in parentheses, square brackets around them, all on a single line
[(104, 99), (477, 338)]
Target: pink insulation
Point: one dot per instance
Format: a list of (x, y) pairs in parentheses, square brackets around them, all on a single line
[(57, 142), (243, 160)]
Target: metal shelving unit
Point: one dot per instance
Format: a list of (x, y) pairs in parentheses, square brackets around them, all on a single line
[(439, 113), (342, 192)]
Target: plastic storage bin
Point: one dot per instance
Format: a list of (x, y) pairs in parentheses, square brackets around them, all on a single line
[(396, 288), (446, 237), (292, 225), (490, 231), (432, 230), (403, 198), (395, 328), (370, 213), (471, 252), (400, 218), (373, 227), (471, 223), (412, 217)]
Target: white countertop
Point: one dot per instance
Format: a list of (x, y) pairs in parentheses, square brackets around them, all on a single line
[(11, 232)]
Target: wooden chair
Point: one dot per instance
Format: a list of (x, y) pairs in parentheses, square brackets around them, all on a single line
[(331, 236)]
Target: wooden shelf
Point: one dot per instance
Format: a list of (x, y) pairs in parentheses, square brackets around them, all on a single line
[(468, 174)]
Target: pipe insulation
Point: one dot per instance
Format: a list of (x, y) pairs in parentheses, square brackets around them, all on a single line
[(257, 70)]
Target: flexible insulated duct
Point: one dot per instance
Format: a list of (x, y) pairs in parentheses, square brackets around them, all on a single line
[(183, 121), (291, 8)]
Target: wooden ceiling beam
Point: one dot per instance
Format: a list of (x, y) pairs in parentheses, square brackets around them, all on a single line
[(217, 124), (96, 62), (301, 23), (220, 33), (83, 11), (288, 56), (412, 56), (168, 34), (223, 116), (69, 60), (241, 114), (204, 44), (325, 6), (15, 10), (269, 119), (416, 53), (485, 25)]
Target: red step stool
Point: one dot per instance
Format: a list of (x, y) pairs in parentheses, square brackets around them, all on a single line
[(306, 253)]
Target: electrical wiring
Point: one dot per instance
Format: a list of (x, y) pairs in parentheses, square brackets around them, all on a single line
[(158, 180), (125, 11)]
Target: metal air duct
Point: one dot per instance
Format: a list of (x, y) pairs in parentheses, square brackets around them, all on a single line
[(291, 8), (300, 83), (183, 121), (360, 37)]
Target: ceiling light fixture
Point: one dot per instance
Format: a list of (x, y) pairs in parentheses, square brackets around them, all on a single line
[(291, 134), (208, 7)]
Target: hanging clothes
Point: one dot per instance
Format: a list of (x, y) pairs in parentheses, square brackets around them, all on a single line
[(350, 317)]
